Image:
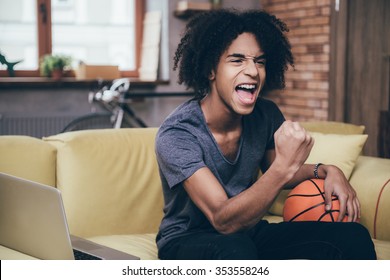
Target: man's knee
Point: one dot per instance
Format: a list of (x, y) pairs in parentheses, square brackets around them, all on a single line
[(358, 242), (364, 240)]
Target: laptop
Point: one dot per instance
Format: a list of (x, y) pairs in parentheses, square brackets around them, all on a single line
[(33, 222)]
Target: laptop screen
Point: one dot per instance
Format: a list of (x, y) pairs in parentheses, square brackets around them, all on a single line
[(32, 219)]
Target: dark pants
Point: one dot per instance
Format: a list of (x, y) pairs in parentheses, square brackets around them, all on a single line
[(294, 240)]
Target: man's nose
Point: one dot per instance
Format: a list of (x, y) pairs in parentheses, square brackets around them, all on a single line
[(250, 67)]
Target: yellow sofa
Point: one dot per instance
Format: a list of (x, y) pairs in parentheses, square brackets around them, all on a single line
[(112, 192)]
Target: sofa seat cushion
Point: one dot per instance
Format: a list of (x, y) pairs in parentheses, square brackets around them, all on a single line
[(9, 254), (382, 248), (109, 181), (140, 245), (273, 218)]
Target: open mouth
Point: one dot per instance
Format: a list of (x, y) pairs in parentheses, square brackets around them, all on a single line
[(246, 92)]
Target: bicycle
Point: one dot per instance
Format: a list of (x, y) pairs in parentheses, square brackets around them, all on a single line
[(117, 111)]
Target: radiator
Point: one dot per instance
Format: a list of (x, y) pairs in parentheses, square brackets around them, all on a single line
[(33, 126)]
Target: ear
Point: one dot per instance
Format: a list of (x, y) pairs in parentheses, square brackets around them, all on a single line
[(212, 75)]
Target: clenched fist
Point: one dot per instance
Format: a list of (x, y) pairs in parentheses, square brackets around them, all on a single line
[(292, 146)]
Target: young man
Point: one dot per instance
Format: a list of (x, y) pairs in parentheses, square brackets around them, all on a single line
[(211, 148)]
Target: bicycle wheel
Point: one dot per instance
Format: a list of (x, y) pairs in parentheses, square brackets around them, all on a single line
[(90, 121)]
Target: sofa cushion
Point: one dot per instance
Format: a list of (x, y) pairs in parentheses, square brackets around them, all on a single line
[(382, 249), (109, 181), (381, 221), (371, 180), (28, 158), (140, 245), (337, 149), (10, 254), (333, 127)]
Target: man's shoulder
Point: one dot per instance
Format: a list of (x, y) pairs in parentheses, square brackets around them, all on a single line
[(185, 118), (185, 114)]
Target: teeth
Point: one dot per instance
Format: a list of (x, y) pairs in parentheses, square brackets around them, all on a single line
[(246, 86)]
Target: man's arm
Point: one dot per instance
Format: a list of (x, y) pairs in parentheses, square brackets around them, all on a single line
[(335, 184), (229, 215)]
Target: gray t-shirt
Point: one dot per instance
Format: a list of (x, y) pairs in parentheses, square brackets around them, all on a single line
[(184, 144)]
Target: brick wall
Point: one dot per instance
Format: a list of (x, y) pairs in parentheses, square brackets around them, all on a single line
[(307, 86)]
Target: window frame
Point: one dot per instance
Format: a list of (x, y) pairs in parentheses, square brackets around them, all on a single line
[(45, 39)]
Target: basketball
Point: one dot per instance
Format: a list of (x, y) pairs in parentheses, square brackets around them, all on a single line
[(306, 202)]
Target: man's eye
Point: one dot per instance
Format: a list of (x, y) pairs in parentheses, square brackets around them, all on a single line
[(260, 62), (236, 61)]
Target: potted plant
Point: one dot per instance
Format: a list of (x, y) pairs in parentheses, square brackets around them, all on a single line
[(54, 65)]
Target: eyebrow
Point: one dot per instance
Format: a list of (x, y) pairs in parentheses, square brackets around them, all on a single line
[(240, 55)]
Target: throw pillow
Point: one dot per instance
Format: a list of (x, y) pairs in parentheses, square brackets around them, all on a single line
[(333, 127), (337, 149)]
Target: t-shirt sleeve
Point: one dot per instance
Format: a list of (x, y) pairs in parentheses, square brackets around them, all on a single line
[(179, 155)]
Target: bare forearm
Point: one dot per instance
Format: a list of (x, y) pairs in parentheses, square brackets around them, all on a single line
[(304, 173), (246, 209)]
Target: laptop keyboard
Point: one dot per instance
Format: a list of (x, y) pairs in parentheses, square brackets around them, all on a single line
[(78, 255)]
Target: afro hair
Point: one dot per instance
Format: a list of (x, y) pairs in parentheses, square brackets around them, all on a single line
[(209, 34)]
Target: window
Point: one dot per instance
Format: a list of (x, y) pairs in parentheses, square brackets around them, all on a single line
[(91, 31)]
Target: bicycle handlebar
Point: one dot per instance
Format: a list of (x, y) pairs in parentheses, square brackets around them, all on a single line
[(122, 84), (118, 88)]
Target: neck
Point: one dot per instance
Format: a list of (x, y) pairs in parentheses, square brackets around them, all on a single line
[(219, 118)]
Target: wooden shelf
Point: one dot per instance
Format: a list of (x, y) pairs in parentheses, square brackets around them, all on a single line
[(186, 14), (35, 82)]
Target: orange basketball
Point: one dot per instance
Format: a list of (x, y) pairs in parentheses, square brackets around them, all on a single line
[(306, 202)]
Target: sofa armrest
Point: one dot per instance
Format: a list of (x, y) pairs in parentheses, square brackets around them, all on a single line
[(371, 180)]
